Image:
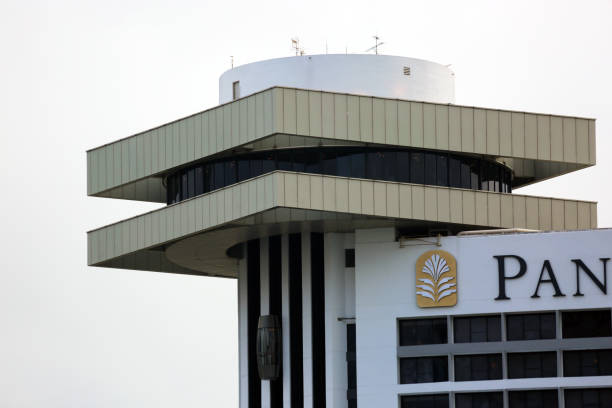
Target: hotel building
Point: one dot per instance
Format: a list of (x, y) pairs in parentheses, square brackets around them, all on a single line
[(383, 257)]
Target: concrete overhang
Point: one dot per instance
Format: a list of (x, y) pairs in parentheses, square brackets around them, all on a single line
[(536, 146), (193, 236)]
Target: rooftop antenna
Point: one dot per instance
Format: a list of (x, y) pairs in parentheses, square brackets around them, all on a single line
[(232, 57), (295, 44), (375, 47)]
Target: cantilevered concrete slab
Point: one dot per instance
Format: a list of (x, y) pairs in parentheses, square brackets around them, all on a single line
[(279, 201), (535, 146)]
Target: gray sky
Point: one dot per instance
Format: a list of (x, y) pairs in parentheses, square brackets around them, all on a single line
[(78, 74)]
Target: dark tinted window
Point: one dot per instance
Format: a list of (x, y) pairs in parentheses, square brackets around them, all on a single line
[(533, 399), (403, 167), (406, 165), (184, 186), (595, 323), (424, 401), (430, 169), (477, 329), (244, 171), (587, 362), (230, 172), (191, 183), (299, 159), (349, 258), (417, 168), (442, 170), (219, 175), (531, 326), (466, 176), (199, 180), (478, 367), (479, 400), (589, 398), (358, 165), (532, 365), (454, 172), (344, 164), (423, 369), (422, 331), (284, 159)]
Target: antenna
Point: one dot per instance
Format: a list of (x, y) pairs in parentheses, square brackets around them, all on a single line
[(375, 47), (295, 44), (232, 57)]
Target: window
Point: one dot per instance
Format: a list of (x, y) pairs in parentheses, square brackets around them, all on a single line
[(430, 169), (422, 331), (423, 369), (403, 165), (479, 399), (587, 362), (442, 170), (535, 398), (531, 326), (478, 367), (454, 172), (417, 168), (595, 323), (477, 329), (199, 180), (235, 90), (358, 165), (532, 365), (424, 401), (588, 398), (349, 258)]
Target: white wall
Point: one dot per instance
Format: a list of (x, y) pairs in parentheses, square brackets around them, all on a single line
[(385, 291), (372, 75)]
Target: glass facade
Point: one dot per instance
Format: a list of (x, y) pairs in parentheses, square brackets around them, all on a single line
[(477, 329), (422, 331), (532, 365), (479, 400), (533, 398), (589, 398), (402, 165), (424, 401), (478, 367), (533, 326), (423, 369), (503, 359), (594, 323), (582, 363)]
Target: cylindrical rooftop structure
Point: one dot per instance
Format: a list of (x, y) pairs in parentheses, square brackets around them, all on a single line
[(372, 75)]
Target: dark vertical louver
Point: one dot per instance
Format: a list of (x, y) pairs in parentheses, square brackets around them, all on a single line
[(295, 321), (317, 267), (253, 310), (276, 309), (351, 365)]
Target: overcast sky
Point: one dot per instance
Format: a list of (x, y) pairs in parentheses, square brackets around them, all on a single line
[(78, 74)]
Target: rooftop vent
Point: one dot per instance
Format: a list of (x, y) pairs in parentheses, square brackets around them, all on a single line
[(407, 71)]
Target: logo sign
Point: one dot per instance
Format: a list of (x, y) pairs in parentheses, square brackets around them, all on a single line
[(436, 279)]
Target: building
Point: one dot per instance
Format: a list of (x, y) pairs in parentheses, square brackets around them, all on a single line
[(373, 224)]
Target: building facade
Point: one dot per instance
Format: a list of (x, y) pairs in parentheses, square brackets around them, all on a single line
[(381, 255)]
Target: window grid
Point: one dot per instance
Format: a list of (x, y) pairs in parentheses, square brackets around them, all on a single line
[(554, 366)]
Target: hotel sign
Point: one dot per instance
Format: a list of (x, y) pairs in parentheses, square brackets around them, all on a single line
[(436, 279), (511, 267)]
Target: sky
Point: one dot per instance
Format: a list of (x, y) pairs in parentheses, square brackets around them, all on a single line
[(78, 74)]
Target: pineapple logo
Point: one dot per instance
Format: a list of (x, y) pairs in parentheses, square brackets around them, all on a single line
[(436, 279)]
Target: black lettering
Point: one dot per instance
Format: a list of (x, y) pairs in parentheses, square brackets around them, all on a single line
[(501, 270), (602, 286), (551, 279)]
